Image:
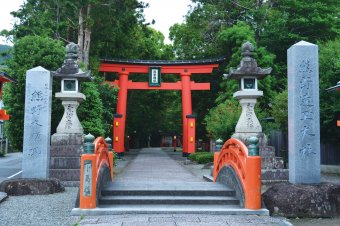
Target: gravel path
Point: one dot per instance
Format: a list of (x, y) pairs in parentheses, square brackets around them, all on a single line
[(38, 210)]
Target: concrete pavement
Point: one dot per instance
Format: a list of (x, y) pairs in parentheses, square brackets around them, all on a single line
[(10, 166)]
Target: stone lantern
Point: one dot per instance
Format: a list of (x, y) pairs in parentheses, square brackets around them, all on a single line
[(67, 144), (248, 74), (71, 75)]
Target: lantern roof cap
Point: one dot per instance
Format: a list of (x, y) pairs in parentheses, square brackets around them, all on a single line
[(248, 65), (70, 67)]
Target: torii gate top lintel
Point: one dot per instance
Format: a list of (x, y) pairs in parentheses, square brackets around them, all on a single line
[(205, 66)]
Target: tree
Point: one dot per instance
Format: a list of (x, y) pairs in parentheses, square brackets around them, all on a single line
[(221, 120), (329, 66), (28, 52)]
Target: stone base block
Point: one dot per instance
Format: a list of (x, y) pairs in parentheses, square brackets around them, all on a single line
[(65, 163), (66, 150), (274, 174), (65, 174), (267, 152), (272, 163), (67, 139), (65, 154)]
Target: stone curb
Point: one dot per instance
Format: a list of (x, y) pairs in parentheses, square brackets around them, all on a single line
[(3, 196)]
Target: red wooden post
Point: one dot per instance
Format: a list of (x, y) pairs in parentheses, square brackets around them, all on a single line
[(118, 138), (186, 108), (121, 110), (191, 133)]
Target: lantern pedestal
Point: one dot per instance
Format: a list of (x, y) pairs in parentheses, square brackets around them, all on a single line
[(248, 122), (70, 123)]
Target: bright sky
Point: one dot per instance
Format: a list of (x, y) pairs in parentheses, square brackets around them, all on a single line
[(164, 12)]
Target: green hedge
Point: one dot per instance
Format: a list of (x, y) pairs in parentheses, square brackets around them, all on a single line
[(202, 157)]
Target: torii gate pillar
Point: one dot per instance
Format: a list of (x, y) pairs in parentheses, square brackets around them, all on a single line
[(186, 110)]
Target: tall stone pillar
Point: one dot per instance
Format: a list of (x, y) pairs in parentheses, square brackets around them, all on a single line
[(37, 124), (303, 113)]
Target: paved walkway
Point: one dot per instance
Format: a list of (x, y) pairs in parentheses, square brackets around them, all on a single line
[(155, 165), (10, 166)]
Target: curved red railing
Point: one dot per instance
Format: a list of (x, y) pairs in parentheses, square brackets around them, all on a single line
[(91, 165), (104, 156), (248, 169)]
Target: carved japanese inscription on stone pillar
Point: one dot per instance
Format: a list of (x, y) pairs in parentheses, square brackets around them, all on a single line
[(303, 113), (37, 123)]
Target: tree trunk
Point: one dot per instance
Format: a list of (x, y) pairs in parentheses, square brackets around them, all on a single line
[(81, 34), (87, 38)]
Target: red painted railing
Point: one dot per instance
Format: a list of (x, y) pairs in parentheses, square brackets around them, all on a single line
[(90, 172), (248, 169)]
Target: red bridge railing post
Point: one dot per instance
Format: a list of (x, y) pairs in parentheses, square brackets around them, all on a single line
[(247, 167), (96, 156)]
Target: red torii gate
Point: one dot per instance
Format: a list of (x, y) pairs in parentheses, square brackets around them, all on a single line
[(184, 68)]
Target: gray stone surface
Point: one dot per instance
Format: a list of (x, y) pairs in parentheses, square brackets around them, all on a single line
[(37, 124), (291, 200), (70, 123), (15, 187), (274, 174), (248, 122), (303, 113), (3, 196), (228, 176), (66, 150)]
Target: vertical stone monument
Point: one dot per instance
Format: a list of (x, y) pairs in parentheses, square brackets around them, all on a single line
[(37, 124), (303, 113), (67, 142)]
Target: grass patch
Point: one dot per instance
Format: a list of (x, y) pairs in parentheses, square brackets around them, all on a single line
[(202, 157)]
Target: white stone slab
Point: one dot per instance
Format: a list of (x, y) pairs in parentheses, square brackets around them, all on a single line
[(37, 123), (303, 113)]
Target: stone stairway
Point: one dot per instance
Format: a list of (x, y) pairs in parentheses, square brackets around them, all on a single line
[(167, 197)]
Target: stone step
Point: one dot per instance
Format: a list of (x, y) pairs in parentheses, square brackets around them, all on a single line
[(65, 163), (168, 209), (189, 200), (167, 188)]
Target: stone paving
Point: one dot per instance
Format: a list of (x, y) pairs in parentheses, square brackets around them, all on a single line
[(155, 164), (182, 220)]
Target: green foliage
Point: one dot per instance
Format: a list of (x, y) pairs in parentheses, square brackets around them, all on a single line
[(202, 157), (329, 61), (4, 53), (90, 112), (280, 110), (221, 120), (28, 52)]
